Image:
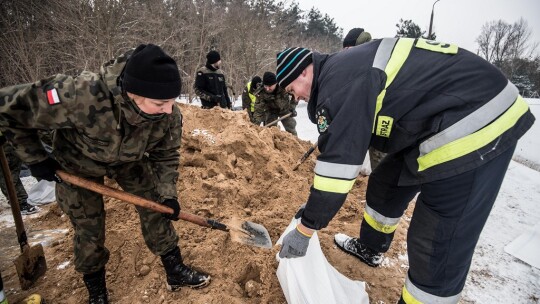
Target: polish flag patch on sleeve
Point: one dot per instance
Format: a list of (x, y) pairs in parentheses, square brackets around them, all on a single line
[(52, 97)]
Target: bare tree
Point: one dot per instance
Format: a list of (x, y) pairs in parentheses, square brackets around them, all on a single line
[(500, 41)]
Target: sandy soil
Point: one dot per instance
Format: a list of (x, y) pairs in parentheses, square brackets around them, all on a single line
[(229, 169)]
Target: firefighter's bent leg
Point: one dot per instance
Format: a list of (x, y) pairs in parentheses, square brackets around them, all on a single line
[(445, 228)]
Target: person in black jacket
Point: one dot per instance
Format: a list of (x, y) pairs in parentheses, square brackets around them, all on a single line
[(210, 84), (449, 121)]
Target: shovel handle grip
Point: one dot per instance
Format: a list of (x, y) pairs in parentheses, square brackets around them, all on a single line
[(306, 155), (137, 200)]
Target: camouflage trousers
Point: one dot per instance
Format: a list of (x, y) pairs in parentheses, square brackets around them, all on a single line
[(14, 164), (288, 123), (251, 117), (375, 157), (87, 214)]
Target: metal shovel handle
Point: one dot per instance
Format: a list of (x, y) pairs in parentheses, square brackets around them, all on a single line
[(138, 201)]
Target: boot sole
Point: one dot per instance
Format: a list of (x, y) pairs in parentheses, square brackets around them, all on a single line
[(178, 287), (356, 256)]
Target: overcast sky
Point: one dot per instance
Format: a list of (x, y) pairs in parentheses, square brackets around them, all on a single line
[(455, 21)]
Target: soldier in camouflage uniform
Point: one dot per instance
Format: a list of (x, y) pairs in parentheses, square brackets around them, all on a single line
[(121, 123), (355, 37), (248, 96), (14, 164), (210, 84), (273, 102)]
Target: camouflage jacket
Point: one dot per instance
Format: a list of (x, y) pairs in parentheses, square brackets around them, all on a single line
[(96, 127), (278, 102)]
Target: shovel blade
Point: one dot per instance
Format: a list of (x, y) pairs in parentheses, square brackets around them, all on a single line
[(252, 234), (30, 265)]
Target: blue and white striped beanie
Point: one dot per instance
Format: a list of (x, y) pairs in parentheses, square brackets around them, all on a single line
[(290, 64)]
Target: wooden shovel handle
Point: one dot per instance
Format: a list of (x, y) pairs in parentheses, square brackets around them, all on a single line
[(137, 200), (278, 120)]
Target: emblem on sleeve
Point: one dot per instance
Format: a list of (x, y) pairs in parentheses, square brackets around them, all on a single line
[(323, 121), (52, 97)]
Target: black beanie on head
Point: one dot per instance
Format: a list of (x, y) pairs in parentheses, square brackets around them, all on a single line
[(356, 36), (151, 73), (255, 81), (291, 63), (269, 79), (212, 57)]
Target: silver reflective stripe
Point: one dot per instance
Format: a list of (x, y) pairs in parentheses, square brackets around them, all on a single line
[(337, 170), (424, 297), (384, 52), (474, 121), (381, 219)]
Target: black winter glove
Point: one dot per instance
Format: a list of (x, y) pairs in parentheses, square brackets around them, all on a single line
[(293, 112), (300, 211), (216, 99), (174, 205), (46, 170)]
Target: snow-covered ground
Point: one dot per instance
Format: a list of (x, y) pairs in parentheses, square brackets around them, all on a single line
[(495, 276)]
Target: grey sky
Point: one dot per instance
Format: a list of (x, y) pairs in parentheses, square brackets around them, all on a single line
[(455, 21)]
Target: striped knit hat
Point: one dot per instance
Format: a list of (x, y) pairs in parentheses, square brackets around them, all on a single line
[(290, 64)]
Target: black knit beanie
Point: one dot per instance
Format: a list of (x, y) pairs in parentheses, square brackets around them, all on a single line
[(151, 73), (255, 81), (212, 57), (291, 63), (269, 79), (356, 36), (352, 35)]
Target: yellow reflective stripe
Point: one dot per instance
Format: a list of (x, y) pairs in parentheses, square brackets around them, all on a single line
[(384, 127), (379, 226), (408, 298), (399, 55), (252, 97), (435, 46), (332, 185), (475, 141)]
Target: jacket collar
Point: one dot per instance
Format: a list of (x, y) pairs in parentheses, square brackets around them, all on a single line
[(318, 62)]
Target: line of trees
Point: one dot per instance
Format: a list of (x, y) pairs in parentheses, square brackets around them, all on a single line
[(39, 38), (507, 46)]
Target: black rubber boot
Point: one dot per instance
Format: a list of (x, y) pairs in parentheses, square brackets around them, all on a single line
[(353, 246), (97, 288), (179, 275)]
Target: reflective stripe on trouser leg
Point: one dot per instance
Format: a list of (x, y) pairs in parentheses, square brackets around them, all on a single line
[(386, 202), (446, 224), (158, 232), (414, 295), (86, 212)]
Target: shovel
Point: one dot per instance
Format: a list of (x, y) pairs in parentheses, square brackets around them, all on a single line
[(244, 232), (31, 263), (305, 156), (277, 120)]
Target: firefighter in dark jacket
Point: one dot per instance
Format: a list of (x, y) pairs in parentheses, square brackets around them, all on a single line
[(248, 96), (449, 121), (210, 84)]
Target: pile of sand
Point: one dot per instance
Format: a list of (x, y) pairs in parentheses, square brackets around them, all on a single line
[(229, 169)]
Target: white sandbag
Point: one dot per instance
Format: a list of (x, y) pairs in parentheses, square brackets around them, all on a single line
[(311, 279), (42, 193)]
